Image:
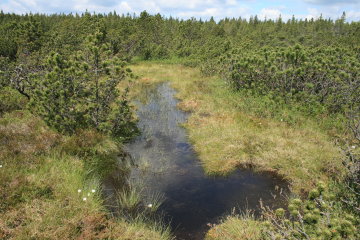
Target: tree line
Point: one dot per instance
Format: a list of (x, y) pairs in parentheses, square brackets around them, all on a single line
[(67, 65)]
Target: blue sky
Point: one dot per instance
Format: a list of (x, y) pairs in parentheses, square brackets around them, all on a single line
[(195, 8)]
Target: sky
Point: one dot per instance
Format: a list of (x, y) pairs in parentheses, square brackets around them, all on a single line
[(203, 9)]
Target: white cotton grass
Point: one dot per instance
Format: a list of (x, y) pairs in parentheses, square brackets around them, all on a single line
[(353, 147), (85, 196), (0, 165), (149, 205)]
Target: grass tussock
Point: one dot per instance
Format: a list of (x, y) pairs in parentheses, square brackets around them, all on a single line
[(227, 134), (235, 228), (130, 199), (47, 190)]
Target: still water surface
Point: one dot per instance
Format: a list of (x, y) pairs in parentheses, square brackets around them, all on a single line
[(167, 165)]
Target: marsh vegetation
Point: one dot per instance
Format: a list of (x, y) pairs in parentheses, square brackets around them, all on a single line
[(145, 127)]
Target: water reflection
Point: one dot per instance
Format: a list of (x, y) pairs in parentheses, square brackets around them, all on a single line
[(167, 164)]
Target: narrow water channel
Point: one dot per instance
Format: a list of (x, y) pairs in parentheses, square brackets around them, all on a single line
[(167, 165)]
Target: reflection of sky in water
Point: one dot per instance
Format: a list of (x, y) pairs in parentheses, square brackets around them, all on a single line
[(167, 164)]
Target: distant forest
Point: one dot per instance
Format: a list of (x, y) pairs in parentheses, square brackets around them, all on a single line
[(154, 37), (316, 57)]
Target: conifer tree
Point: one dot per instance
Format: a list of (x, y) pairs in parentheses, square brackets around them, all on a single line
[(82, 92)]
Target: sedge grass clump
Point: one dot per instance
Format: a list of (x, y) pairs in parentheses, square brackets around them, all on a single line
[(144, 228), (154, 201), (236, 227), (129, 200)]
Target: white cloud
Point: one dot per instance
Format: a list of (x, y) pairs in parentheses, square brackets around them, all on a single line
[(237, 12), (92, 6), (353, 14), (269, 13), (330, 12), (124, 7), (209, 12), (313, 13), (330, 2), (231, 2), (13, 6), (218, 13), (186, 4)]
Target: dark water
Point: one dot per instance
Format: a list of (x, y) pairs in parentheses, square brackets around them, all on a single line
[(167, 164)]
